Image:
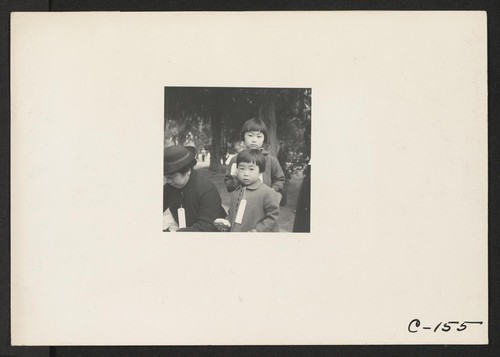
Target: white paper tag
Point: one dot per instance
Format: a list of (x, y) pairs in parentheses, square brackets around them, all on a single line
[(168, 219), (234, 170), (182, 217), (241, 211), (261, 178)]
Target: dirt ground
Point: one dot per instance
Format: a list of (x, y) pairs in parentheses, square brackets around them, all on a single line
[(287, 212)]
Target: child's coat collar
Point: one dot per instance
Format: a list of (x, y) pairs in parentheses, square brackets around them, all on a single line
[(253, 186)]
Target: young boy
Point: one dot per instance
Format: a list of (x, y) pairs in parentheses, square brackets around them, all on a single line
[(254, 206), (254, 136)]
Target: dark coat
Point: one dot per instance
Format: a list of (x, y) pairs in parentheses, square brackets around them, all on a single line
[(273, 175), (302, 221), (200, 200), (262, 208)]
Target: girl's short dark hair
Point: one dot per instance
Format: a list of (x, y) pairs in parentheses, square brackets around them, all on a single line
[(252, 156), (185, 169), (254, 124)]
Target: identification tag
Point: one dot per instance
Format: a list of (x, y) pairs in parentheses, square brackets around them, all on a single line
[(182, 217), (241, 211)]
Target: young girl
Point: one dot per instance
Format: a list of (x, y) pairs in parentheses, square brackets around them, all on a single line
[(254, 206), (254, 135)]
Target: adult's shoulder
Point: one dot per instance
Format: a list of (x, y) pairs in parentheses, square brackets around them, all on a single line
[(203, 182), (168, 188)]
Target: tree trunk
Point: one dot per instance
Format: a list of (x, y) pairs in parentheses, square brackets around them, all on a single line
[(268, 115), (215, 150), (218, 111)]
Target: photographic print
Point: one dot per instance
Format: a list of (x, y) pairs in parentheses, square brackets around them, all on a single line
[(118, 115), (237, 159)]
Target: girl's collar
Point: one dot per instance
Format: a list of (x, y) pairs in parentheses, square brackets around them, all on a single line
[(254, 185)]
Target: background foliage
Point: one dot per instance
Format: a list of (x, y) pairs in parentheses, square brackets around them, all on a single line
[(212, 118)]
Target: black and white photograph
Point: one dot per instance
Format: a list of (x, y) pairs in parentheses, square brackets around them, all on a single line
[(237, 159)]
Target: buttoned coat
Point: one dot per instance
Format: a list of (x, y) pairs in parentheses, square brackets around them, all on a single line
[(261, 211), (201, 202)]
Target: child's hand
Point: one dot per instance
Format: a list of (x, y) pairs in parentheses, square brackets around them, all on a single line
[(221, 223), (253, 231)]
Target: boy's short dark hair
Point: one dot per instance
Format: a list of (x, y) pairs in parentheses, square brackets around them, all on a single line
[(252, 156), (254, 124)]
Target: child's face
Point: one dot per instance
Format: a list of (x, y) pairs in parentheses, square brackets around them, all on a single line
[(248, 173), (253, 139)]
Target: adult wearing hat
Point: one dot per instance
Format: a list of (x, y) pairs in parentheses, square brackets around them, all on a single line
[(188, 195)]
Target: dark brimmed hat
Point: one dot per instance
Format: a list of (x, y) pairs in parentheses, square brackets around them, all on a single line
[(176, 157)]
